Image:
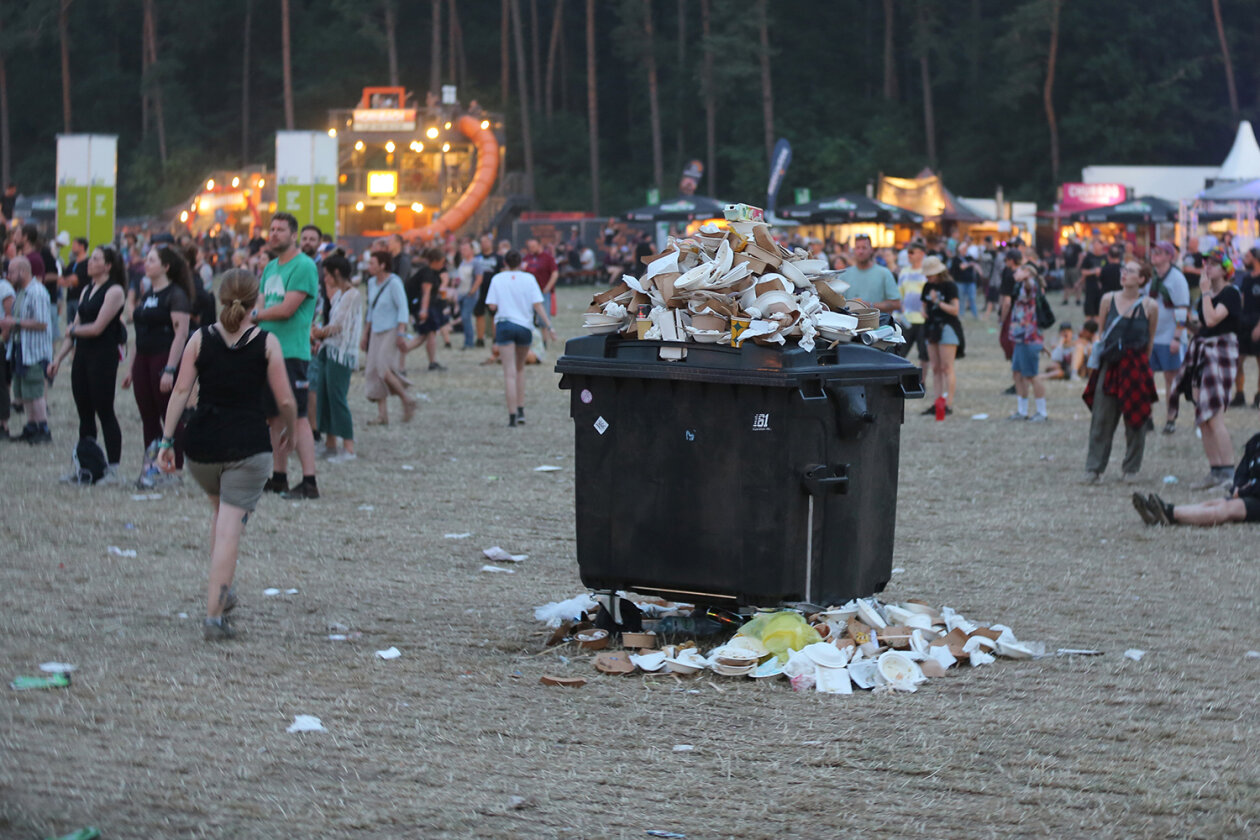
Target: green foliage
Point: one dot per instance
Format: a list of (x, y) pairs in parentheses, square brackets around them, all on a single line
[(1137, 82)]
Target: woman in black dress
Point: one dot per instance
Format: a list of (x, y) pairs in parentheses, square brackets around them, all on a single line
[(95, 335)]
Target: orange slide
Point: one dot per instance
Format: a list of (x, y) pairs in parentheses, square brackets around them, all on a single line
[(478, 190)]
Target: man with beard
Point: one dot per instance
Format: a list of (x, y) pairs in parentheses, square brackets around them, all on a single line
[(289, 285)]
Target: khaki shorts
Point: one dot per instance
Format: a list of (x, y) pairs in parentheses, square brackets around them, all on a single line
[(238, 483), (30, 385)]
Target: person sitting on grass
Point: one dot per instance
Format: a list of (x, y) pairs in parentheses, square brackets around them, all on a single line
[(1241, 505), (1060, 364), (1083, 347)]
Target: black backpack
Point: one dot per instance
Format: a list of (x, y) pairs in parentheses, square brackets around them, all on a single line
[(1247, 476), (89, 460)]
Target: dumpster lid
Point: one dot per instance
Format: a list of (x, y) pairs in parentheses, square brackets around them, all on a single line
[(752, 364)]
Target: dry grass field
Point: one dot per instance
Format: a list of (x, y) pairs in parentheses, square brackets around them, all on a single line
[(163, 735)]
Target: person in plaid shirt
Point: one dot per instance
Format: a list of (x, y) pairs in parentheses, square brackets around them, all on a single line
[(1127, 386), (1206, 377)]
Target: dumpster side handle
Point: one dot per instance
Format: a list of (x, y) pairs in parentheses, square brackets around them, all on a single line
[(911, 386), (820, 479)]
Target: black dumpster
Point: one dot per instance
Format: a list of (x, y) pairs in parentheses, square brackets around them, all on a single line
[(752, 475)]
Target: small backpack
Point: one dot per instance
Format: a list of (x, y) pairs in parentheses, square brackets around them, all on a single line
[(1247, 476), (89, 460)]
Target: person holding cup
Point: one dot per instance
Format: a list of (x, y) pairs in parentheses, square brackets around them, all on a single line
[(1206, 377), (942, 330)]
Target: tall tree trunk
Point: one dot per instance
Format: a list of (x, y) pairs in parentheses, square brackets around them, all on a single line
[(452, 64), (154, 83), (767, 91), (144, 76), (1047, 93), (286, 57), (63, 35), (680, 59), (1229, 65), (557, 20), (924, 38), (654, 105), (710, 97), (522, 82), (592, 104), (457, 46), (391, 41), (890, 60), (249, 16), (564, 73), (5, 172), (929, 119), (974, 46), (435, 49), (534, 53), (505, 53)]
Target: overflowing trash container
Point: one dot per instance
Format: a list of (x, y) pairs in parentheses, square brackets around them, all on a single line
[(754, 475)]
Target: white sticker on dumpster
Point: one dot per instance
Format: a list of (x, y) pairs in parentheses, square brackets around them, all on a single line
[(761, 422), (601, 425), (587, 396)]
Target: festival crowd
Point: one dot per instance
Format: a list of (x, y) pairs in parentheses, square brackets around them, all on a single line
[(295, 317)]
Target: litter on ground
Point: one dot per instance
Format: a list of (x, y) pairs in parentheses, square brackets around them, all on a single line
[(306, 723), (863, 644)]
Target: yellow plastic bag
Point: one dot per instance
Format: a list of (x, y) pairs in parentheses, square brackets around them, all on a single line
[(780, 632)]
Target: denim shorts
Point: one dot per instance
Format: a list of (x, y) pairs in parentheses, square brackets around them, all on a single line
[(507, 332), (948, 336), (1026, 360), (1163, 358)]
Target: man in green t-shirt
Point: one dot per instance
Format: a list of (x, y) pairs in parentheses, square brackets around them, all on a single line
[(289, 285), (869, 281)]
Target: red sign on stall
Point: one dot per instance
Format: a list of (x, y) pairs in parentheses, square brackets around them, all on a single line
[(1085, 196)]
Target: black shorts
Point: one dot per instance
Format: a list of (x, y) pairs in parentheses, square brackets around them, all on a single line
[(436, 320), (296, 369), (1252, 503)]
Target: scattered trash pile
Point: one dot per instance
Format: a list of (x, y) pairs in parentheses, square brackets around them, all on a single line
[(865, 643), (729, 284)]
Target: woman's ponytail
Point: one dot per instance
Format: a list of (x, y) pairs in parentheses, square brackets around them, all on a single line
[(238, 292)]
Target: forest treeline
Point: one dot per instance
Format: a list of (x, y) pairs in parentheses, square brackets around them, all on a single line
[(607, 98)]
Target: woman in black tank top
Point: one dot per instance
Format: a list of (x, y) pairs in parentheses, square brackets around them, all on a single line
[(227, 441), (95, 335)]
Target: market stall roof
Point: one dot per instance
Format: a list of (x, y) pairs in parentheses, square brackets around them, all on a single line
[(927, 196), (680, 209), (849, 207), (1146, 209), (1243, 161)]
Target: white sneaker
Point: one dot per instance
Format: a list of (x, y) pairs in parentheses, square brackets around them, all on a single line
[(330, 454), (1038, 418), (343, 458), (111, 476), (1015, 415)]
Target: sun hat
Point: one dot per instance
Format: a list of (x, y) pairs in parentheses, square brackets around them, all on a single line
[(932, 266)]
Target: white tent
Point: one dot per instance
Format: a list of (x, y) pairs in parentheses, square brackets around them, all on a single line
[(1233, 191), (1243, 161)]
